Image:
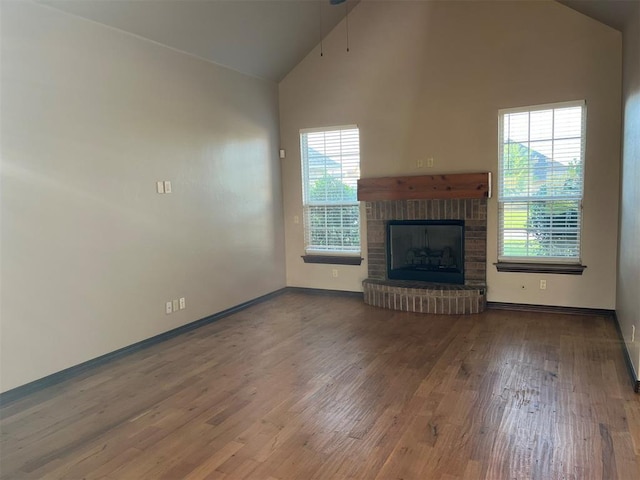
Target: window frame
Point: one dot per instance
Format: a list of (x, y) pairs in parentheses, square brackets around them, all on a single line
[(531, 263), (313, 254)]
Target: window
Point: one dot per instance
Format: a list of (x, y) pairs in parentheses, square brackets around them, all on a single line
[(540, 183), (330, 173)]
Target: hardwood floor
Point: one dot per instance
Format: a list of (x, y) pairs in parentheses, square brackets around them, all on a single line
[(324, 387)]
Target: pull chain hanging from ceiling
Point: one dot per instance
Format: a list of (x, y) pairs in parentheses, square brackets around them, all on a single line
[(346, 17), (320, 16)]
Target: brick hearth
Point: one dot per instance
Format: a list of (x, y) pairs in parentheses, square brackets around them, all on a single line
[(424, 298)]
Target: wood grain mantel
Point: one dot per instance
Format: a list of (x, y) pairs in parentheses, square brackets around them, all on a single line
[(455, 185)]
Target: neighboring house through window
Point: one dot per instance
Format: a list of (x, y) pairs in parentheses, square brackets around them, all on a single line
[(540, 185), (330, 173)]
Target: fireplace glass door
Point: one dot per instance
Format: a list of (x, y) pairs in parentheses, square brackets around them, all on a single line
[(426, 250)]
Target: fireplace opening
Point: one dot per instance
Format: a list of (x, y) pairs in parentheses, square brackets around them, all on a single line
[(426, 250)]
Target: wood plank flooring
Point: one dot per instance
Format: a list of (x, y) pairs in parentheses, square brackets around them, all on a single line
[(324, 387)]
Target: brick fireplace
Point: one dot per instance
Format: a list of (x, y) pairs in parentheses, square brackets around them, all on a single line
[(419, 296)]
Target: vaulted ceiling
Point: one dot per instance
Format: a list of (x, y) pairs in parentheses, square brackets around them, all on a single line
[(610, 12), (262, 38)]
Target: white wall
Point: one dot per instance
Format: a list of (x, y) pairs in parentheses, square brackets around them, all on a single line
[(91, 118), (426, 79), (628, 301)]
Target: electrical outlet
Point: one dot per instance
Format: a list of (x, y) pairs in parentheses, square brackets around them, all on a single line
[(296, 219), (420, 163), (334, 273), (430, 162), (543, 284), (169, 308), (183, 303), (176, 305), (160, 187), (167, 186)]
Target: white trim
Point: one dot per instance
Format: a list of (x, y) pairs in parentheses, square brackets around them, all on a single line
[(333, 253), (331, 204), (490, 186), (328, 129), (529, 199), (558, 260), (545, 106)]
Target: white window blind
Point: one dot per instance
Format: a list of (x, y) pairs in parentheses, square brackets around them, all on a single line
[(330, 173), (540, 184)]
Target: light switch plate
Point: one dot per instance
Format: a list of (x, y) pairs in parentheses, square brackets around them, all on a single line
[(167, 186), (160, 187)]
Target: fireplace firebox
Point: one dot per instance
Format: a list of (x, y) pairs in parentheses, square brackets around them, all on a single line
[(426, 250)]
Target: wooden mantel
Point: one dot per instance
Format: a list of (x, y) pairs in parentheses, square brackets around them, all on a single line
[(454, 185)]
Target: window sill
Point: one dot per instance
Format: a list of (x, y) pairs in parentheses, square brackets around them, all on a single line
[(333, 259), (557, 268)]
